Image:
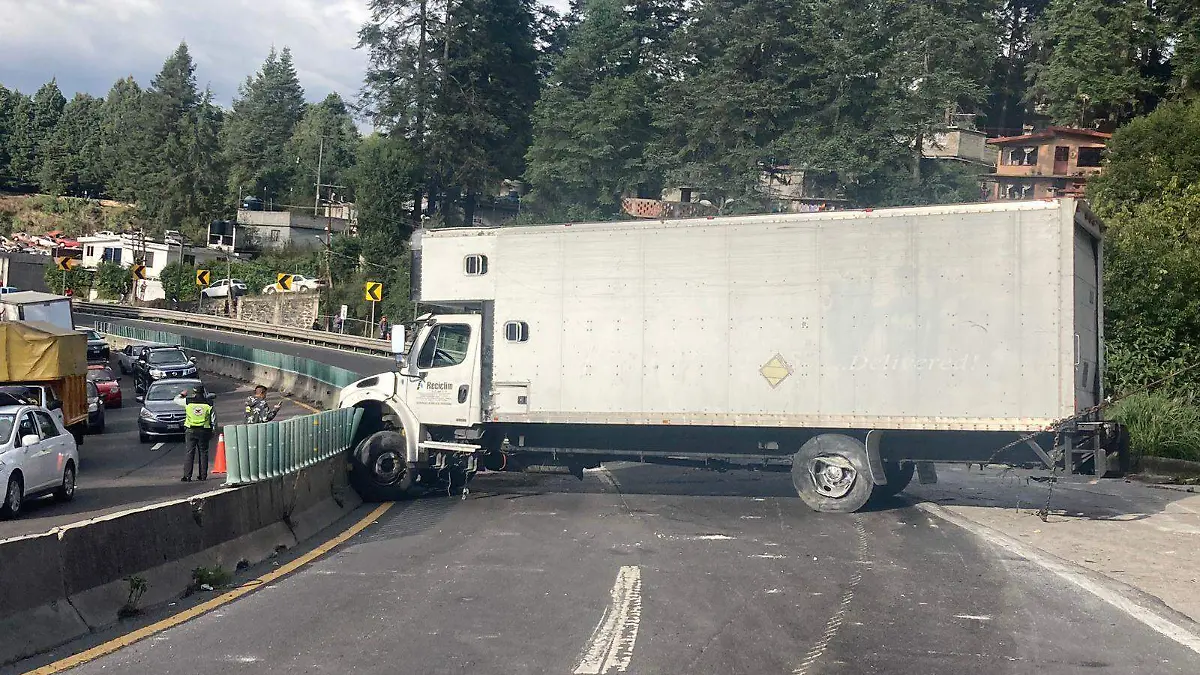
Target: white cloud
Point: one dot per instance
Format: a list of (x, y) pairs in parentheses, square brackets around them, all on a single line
[(89, 44)]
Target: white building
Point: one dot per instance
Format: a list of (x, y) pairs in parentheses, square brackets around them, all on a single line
[(274, 230), (123, 249)]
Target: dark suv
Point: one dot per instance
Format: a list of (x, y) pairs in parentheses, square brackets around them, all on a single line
[(161, 364)]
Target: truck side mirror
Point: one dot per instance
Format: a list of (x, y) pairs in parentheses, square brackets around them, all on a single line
[(399, 339)]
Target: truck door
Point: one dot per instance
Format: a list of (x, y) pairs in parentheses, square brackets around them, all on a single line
[(1087, 320), (447, 358)]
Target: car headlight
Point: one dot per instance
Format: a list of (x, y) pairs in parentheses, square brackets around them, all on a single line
[(147, 415), (191, 370), (156, 373), (92, 407)]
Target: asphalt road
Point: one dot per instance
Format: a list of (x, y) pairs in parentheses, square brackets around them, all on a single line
[(356, 363), (118, 472), (657, 570)]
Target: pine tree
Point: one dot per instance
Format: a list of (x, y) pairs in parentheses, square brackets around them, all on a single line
[(22, 143), (72, 161), (8, 104), (593, 123), (264, 117), (481, 123), (125, 142), (1005, 110), (326, 136), (1095, 60)]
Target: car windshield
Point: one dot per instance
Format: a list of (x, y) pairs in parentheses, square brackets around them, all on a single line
[(93, 335), (101, 375), (167, 357), (165, 391), (28, 395), (6, 425)]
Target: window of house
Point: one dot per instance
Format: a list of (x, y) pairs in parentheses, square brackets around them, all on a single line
[(112, 255), (90, 252), (149, 259), (189, 260), (445, 346), (274, 235), (1062, 153), (516, 331), (1090, 156), (475, 265)]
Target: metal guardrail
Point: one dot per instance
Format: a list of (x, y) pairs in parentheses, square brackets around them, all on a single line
[(352, 343), (258, 452), (322, 372)]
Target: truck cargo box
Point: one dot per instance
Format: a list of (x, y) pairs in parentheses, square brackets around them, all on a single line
[(42, 353), (980, 317)]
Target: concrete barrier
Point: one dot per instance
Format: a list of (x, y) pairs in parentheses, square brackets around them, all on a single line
[(76, 579)]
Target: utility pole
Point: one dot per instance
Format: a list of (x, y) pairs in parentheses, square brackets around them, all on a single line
[(328, 229), (320, 161)]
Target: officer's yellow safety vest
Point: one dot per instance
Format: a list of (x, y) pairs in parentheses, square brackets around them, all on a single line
[(198, 415)]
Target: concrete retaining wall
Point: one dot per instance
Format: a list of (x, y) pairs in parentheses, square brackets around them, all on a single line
[(76, 579)]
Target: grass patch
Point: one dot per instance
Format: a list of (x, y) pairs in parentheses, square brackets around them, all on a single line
[(212, 577), (1160, 425)]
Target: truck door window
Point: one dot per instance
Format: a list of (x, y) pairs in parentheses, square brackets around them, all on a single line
[(445, 346), (49, 429)]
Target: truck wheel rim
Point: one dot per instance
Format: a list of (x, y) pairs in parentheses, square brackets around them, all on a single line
[(388, 468), (833, 476)]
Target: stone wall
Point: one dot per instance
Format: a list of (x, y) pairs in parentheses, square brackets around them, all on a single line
[(296, 310)]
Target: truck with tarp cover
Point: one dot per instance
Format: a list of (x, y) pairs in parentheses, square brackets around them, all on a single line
[(46, 364)]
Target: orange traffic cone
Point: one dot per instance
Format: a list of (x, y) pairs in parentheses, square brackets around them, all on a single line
[(219, 463)]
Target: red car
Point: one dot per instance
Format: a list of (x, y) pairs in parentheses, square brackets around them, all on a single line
[(107, 383)]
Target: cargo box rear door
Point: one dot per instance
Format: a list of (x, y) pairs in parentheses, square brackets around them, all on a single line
[(1087, 319)]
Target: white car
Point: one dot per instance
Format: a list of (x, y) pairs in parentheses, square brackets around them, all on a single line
[(300, 284), (220, 289), (37, 457)]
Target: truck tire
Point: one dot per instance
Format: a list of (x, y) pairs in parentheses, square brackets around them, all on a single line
[(831, 474), (899, 475), (379, 470)]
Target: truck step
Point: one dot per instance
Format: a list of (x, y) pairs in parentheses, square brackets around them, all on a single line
[(449, 447)]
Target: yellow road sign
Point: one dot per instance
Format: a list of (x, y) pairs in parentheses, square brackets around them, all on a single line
[(65, 264), (139, 271), (373, 291), (203, 278), (284, 281)]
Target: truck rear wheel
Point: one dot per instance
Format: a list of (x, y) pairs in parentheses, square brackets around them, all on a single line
[(831, 474), (379, 468)]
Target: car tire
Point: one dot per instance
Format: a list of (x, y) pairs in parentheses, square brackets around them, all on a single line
[(14, 498), (65, 492)]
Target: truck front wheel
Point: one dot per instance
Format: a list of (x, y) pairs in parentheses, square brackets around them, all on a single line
[(380, 470), (831, 474)]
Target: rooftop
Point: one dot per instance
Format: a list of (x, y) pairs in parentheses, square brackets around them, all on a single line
[(1051, 132)]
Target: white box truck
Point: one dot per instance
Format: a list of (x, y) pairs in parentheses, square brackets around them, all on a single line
[(847, 347), (37, 306)]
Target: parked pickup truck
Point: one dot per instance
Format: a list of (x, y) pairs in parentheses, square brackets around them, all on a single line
[(848, 348)]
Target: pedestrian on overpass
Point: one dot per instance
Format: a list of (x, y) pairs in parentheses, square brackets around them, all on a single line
[(257, 409), (197, 429)]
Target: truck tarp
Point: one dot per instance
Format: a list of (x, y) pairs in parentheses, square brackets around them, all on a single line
[(36, 351)]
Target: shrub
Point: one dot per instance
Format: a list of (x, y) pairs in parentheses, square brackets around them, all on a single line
[(1160, 425)]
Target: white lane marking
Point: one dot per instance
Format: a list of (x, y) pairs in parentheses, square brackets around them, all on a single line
[(773, 591), (711, 537), (157, 446), (973, 617), (835, 622), (1162, 625), (751, 517), (610, 648), (769, 556)]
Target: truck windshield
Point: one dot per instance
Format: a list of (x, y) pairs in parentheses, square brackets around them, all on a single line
[(30, 395), (6, 425)]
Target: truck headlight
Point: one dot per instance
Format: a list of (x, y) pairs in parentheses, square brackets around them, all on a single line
[(156, 373), (147, 415)]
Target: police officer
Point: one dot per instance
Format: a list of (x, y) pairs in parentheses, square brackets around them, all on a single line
[(198, 429), (257, 409)]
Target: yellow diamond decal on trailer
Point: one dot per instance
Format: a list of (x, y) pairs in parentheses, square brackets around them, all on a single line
[(776, 370)]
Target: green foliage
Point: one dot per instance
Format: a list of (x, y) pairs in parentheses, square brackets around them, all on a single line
[(1097, 60), (1146, 155), (112, 280), (1160, 425), (179, 282), (1152, 311), (386, 174), (79, 280), (325, 138), (269, 106)]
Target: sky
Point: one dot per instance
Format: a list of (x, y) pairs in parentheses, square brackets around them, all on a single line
[(89, 44)]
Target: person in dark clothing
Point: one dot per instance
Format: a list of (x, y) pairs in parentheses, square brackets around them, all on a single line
[(197, 430)]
